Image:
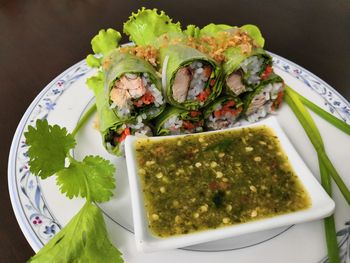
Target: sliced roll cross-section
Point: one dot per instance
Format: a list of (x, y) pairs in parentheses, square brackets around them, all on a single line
[(266, 98), (132, 86), (191, 78), (243, 72)]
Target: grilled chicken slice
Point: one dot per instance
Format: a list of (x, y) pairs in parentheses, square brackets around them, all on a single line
[(120, 97), (133, 84), (234, 82), (181, 84), (127, 87)]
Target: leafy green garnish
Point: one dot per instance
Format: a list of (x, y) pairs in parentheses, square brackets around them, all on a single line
[(147, 25), (213, 29), (105, 41), (192, 31), (92, 178), (48, 151), (48, 148), (102, 44), (95, 83), (255, 33), (84, 239), (252, 30), (93, 62)]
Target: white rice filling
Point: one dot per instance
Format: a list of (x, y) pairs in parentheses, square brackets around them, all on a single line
[(261, 104), (252, 67), (140, 130), (198, 81), (223, 122), (174, 125)]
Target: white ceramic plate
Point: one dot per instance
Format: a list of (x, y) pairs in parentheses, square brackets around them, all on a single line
[(321, 204), (41, 210)]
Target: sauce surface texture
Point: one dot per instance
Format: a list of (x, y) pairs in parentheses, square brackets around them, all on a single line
[(211, 180)]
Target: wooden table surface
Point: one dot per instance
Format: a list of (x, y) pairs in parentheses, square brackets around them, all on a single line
[(40, 39)]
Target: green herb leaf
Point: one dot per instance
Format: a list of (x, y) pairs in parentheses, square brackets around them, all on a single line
[(213, 29), (144, 27), (341, 125), (192, 31), (92, 178), (95, 83), (329, 224), (93, 61), (255, 33), (84, 239), (105, 41), (48, 148)]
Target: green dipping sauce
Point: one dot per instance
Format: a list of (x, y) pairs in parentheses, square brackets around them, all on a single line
[(210, 180)]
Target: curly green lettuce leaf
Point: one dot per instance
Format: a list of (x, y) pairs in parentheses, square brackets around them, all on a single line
[(144, 27), (92, 178), (102, 44), (48, 148), (105, 41), (107, 118), (255, 33), (95, 83), (83, 240), (213, 29), (252, 30), (192, 31), (93, 62)]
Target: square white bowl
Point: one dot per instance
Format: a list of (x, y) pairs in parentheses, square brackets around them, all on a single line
[(321, 204)]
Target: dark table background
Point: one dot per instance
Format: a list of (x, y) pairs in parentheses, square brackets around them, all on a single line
[(40, 39)]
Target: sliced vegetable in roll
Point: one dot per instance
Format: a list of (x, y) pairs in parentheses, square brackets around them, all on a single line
[(265, 99), (191, 79), (179, 121), (223, 113), (133, 86)]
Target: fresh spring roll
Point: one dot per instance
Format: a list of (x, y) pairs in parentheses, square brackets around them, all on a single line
[(113, 132), (223, 113), (192, 79), (265, 99), (243, 72), (175, 121), (133, 87)]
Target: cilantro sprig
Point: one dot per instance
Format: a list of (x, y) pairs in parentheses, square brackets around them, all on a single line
[(90, 178), (49, 148), (84, 238)]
